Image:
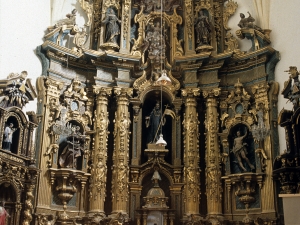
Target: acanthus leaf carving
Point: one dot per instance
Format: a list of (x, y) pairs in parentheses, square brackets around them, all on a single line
[(229, 10)]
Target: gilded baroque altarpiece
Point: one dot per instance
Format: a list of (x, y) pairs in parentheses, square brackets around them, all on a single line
[(102, 106)]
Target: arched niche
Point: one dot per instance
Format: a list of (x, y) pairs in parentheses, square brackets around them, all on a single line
[(20, 135), (151, 99), (12, 124), (248, 147)]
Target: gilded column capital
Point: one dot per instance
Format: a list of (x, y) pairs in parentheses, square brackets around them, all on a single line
[(215, 92), (190, 92), (103, 91), (123, 92)]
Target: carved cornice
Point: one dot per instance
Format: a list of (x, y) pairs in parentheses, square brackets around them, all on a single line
[(49, 45)]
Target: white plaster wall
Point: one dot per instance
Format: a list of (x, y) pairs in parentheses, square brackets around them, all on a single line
[(24, 23)]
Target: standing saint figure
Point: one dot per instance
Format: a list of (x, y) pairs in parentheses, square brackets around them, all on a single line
[(153, 122), (8, 134), (112, 26), (240, 151), (203, 30)]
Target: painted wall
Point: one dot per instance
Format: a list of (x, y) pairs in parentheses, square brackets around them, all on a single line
[(24, 23)]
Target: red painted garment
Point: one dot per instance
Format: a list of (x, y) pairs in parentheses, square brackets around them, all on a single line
[(3, 215)]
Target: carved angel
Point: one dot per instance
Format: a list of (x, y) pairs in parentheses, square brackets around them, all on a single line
[(70, 20)]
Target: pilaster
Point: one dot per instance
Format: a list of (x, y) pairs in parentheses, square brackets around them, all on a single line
[(52, 93)]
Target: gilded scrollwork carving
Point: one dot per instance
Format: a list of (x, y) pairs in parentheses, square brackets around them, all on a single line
[(191, 174), (189, 17), (125, 20), (228, 11), (231, 43), (122, 179), (260, 92), (88, 8), (53, 148), (110, 3), (213, 174), (102, 122), (28, 208)]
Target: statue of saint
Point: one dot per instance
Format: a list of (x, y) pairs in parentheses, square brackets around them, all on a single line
[(240, 151), (203, 30), (8, 134), (153, 123), (68, 158), (70, 20), (112, 26)]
